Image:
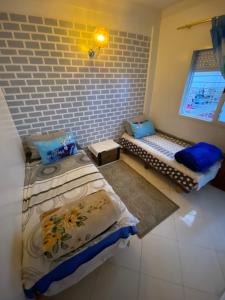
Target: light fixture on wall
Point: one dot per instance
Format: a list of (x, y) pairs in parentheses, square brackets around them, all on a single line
[(101, 39)]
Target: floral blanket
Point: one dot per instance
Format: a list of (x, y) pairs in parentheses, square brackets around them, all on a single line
[(69, 227), (49, 188)]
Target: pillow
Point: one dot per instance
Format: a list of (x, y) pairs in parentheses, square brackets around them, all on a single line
[(141, 130), (29, 142), (67, 228), (56, 149), (137, 119)]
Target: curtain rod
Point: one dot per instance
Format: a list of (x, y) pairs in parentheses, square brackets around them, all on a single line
[(190, 25)]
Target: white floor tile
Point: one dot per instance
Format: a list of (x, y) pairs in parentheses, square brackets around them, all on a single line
[(191, 294), (166, 228), (188, 203), (221, 259), (216, 228), (160, 258), (115, 282), (200, 269), (79, 290), (212, 201), (193, 229), (130, 257), (156, 289)]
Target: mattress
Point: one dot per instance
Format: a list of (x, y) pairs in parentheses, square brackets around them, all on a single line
[(52, 186), (158, 151)]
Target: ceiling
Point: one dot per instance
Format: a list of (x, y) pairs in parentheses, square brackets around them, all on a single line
[(161, 4), (157, 4)]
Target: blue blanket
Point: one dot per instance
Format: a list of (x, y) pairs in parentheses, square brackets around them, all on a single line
[(199, 157)]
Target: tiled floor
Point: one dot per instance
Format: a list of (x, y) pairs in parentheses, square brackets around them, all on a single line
[(181, 259)]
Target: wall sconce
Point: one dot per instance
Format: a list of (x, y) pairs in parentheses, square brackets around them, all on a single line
[(101, 39)]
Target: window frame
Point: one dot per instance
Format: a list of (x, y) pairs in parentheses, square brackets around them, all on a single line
[(219, 109), (221, 101)]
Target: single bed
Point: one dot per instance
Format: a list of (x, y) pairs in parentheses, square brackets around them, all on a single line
[(158, 150), (51, 186)]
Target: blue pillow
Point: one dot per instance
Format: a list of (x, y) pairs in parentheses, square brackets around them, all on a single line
[(143, 129), (56, 149)]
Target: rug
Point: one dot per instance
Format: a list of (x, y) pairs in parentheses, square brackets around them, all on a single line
[(142, 199)]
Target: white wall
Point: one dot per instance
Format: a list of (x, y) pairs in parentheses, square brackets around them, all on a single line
[(11, 187), (173, 63)]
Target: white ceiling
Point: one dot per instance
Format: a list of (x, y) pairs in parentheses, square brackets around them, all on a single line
[(158, 3)]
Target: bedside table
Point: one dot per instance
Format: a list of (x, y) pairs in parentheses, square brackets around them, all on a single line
[(105, 152)]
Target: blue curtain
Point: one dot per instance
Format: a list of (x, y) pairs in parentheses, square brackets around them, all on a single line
[(218, 40)]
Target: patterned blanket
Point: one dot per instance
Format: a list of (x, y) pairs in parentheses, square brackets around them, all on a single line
[(158, 152), (164, 144), (48, 188)]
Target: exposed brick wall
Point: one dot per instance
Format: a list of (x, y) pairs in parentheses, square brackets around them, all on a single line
[(50, 83)]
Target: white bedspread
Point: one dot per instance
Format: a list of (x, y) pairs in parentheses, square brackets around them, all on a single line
[(48, 187)]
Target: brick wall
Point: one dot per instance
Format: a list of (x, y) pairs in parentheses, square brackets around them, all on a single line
[(50, 83)]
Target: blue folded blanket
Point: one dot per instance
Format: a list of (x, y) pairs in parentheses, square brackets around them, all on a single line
[(199, 157)]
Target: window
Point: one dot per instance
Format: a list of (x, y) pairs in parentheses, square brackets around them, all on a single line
[(204, 88)]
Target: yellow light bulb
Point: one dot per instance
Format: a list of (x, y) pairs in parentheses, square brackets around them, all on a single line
[(100, 38)]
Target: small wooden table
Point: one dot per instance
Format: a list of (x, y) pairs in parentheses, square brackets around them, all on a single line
[(105, 152)]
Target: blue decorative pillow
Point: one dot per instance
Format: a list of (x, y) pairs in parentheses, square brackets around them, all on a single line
[(143, 129), (56, 149)]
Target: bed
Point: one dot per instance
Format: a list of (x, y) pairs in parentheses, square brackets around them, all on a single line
[(158, 150), (51, 186)]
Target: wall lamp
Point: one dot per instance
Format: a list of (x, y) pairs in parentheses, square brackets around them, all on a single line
[(101, 39)]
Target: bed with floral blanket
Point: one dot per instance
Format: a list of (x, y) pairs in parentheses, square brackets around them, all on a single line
[(158, 150), (48, 189)]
